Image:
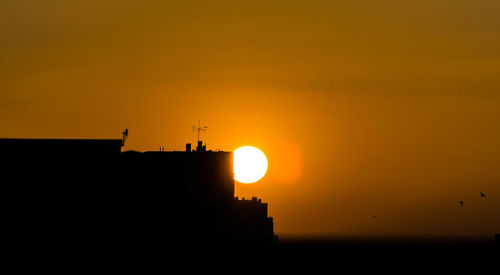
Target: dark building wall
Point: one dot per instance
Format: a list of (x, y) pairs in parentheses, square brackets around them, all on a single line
[(251, 223), (187, 195), (205, 178), (75, 149), (57, 190)]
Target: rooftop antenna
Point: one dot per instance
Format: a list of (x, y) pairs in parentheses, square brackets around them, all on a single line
[(200, 129)]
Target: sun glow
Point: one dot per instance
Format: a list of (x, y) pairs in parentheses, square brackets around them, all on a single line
[(249, 164)]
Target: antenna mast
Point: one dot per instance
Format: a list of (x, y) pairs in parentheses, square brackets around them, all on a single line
[(200, 129)]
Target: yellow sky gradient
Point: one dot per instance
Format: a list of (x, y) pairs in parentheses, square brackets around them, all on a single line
[(387, 108)]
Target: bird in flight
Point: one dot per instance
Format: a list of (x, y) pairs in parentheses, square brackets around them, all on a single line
[(461, 203), (483, 196)]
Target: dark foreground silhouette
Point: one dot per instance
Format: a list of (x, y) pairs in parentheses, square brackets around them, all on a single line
[(87, 195)]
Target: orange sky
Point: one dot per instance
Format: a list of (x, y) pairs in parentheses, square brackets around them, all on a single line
[(387, 108)]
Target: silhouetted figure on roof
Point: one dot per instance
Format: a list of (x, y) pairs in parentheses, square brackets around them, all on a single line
[(483, 196), (461, 203), (125, 135)]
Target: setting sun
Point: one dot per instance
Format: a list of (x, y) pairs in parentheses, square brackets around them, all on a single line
[(250, 164)]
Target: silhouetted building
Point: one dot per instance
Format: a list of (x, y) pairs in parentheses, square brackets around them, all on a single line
[(194, 190), (89, 193), (59, 192), (252, 225)]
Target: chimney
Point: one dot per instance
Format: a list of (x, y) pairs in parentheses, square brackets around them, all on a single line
[(188, 147), (200, 147)]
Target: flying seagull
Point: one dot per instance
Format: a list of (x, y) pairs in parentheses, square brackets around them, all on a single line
[(483, 196), (461, 203)]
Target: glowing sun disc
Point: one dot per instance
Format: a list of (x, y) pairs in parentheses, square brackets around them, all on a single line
[(249, 164)]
